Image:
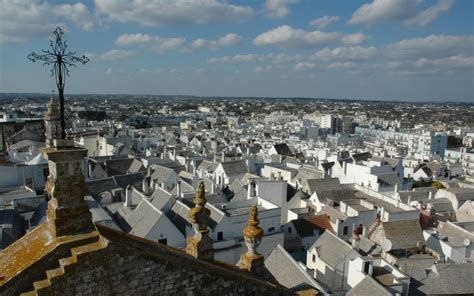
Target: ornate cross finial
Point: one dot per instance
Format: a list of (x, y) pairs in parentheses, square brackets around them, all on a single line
[(61, 61)]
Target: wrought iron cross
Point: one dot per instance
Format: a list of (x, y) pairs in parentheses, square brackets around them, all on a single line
[(61, 62)]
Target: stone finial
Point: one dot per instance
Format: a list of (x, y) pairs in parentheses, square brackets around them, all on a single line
[(252, 261), (200, 245), (52, 120)]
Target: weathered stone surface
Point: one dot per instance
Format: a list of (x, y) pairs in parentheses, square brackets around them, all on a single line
[(67, 209), (129, 265)]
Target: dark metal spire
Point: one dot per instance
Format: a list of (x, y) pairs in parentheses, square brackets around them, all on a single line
[(61, 62)]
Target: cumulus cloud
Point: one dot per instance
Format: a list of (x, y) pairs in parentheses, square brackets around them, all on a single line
[(353, 39), (22, 20), (159, 12), (78, 13), (406, 11), (227, 40), (324, 21), (342, 66), (111, 55), (262, 69), (155, 43), (304, 66), (287, 37), (433, 46), (353, 53), (254, 58), (240, 58), (278, 8), (429, 15)]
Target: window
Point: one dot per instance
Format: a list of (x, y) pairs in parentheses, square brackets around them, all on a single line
[(345, 230), (367, 267), (163, 241), (289, 229), (314, 258), (271, 229), (220, 235)]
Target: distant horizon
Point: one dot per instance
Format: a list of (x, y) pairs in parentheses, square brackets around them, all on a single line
[(468, 102), (403, 50)]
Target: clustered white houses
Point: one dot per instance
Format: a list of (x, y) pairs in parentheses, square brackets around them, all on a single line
[(342, 218)]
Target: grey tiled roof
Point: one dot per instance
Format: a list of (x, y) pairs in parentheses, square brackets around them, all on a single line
[(369, 286), (235, 167), (286, 271), (449, 279), (331, 249)]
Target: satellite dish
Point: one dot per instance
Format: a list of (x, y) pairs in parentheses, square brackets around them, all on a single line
[(466, 242), (386, 245)]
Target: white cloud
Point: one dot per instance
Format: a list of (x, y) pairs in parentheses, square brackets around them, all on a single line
[(384, 10), (78, 13), (22, 20), (241, 58), (429, 15), (354, 53), (109, 71), (156, 43), (227, 40), (432, 47), (324, 21), (304, 66), (406, 11), (261, 69), (111, 55), (353, 39), (342, 66), (159, 12), (255, 58), (278, 8), (287, 37)]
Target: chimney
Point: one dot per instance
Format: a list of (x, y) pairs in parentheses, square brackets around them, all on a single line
[(146, 186), (395, 190), (212, 188), (279, 176), (430, 195), (344, 167), (174, 153), (128, 197), (178, 189), (222, 156)]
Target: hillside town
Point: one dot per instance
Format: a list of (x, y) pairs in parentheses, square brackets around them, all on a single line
[(331, 197)]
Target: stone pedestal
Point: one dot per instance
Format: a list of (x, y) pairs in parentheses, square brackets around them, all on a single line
[(251, 263), (200, 246), (67, 209)]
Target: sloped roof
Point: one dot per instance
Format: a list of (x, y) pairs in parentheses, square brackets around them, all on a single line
[(207, 165), (305, 228), (234, 167), (293, 274), (368, 286), (403, 234), (142, 219), (389, 178), (282, 149), (331, 249), (321, 221), (449, 279)]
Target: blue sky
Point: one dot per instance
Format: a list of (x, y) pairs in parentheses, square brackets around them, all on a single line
[(415, 50)]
